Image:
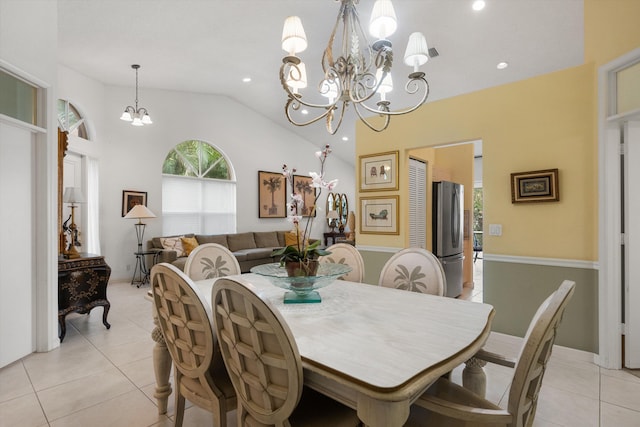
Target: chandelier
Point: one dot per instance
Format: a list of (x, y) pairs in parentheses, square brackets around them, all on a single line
[(137, 116), (355, 74)]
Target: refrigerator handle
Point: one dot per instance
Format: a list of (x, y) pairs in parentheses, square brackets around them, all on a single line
[(455, 214)]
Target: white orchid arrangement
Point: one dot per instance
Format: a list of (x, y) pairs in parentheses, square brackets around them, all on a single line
[(303, 251)]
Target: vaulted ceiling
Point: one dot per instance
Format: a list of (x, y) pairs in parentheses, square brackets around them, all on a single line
[(209, 46)]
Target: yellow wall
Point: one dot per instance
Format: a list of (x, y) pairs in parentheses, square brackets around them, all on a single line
[(611, 29), (533, 124)]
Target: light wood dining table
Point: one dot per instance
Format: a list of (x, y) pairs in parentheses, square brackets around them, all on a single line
[(373, 348)]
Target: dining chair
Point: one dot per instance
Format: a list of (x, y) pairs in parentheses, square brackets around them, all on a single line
[(449, 404), (211, 260), (344, 253), (264, 364), (416, 270), (186, 323)]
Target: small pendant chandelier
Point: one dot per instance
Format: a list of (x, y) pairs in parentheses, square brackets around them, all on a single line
[(357, 73), (137, 116)]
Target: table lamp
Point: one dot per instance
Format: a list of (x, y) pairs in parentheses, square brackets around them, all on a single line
[(72, 195), (332, 218), (139, 212)]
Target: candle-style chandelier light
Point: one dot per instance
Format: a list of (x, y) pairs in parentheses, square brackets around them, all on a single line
[(357, 74), (137, 116)]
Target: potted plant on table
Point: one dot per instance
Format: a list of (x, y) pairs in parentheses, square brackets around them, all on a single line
[(301, 258)]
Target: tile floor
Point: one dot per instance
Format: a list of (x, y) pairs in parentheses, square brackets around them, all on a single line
[(105, 378)]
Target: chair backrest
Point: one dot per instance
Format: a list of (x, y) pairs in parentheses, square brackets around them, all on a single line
[(344, 253), (416, 270), (211, 260), (187, 326), (259, 351), (534, 355)]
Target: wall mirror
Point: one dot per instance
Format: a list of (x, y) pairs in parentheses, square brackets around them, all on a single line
[(332, 206), (339, 203), (344, 211)]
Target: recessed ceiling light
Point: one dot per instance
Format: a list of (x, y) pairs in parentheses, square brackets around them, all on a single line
[(246, 79), (345, 138), (502, 65), (305, 112), (478, 5)]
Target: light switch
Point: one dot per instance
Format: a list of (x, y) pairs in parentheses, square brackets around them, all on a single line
[(495, 229)]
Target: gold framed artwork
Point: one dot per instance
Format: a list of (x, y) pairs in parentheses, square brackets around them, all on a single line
[(272, 195), (379, 215), (303, 185), (379, 172), (535, 186), (131, 198)]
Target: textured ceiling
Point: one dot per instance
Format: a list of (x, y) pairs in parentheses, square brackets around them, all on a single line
[(208, 46)]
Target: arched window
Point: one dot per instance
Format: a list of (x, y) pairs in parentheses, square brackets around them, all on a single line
[(198, 190), (70, 119)]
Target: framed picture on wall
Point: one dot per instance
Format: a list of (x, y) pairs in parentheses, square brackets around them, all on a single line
[(535, 186), (131, 198), (302, 185), (272, 195), (379, 215), (379, 172)]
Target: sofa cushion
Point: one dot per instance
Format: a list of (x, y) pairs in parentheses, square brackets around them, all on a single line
[(188, 244), (220, 239), (266, 239), (173, 243), (241, 241), (157, 243), (253, 254), (180, 262)]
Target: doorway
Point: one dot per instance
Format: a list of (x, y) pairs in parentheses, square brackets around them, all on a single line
[(619, 285)]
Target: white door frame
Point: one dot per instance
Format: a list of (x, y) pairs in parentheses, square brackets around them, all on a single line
[(609, 214)]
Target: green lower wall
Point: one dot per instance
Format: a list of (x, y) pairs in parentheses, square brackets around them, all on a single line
[(516, 290), (373, 263)]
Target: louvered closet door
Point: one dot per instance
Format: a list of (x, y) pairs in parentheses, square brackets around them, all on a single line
[(417, 203)]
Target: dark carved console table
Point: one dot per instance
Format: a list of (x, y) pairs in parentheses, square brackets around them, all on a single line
[(82, 285)]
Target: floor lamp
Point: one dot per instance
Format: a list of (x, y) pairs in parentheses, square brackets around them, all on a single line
[(72, 195), (139, 212)]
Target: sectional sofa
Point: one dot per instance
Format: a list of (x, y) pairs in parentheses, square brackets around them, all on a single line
[(250, 248)]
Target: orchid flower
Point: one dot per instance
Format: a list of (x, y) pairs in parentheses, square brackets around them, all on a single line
[(295, 209)]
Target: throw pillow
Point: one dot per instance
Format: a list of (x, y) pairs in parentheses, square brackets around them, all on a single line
[(188, 244), (266, 239), (173, 243), (291, 239)]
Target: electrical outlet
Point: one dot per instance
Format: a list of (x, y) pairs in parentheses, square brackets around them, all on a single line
[(128, 267), (495, 229)]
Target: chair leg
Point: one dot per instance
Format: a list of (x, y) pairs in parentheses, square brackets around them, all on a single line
[(180, 401)]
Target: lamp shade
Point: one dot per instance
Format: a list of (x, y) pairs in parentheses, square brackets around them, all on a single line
[(297, 78), (73, 195), (333, 215), (329, 89), (386, 85), (138, 212), (417, 52), (383, 19), (294, 39)]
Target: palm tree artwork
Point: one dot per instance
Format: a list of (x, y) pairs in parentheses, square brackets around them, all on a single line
[(211, 269), (273, 184), (409, 281), (304, 188)]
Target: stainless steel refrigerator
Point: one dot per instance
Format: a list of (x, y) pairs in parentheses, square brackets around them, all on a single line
[(448, 217)]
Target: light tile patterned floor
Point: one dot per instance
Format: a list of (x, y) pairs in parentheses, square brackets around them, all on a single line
[(102, 377)]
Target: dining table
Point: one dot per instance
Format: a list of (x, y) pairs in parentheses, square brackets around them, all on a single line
[(373, 348)]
